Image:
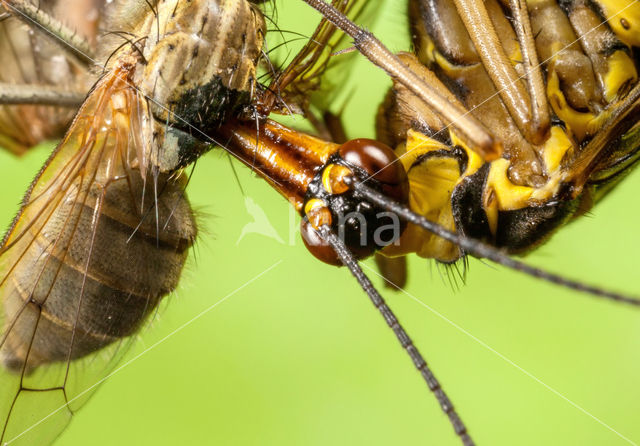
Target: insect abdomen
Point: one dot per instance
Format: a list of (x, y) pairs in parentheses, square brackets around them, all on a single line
[(89, 284)]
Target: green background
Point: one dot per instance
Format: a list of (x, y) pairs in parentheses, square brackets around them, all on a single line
[(300, 357)]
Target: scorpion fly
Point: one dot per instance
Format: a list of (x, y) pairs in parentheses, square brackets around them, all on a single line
[(509, 121), (165, 200)]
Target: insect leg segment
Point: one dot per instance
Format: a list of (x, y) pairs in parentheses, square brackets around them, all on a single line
[(470, 129), (39, 95), (535, 82), (64, 36)]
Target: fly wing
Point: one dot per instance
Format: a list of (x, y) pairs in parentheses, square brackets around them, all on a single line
[(80, 268), (32, 58)]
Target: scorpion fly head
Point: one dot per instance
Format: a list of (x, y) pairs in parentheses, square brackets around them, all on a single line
[(331, 201)]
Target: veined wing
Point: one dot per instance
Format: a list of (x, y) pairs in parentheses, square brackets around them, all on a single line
[(86, 260)]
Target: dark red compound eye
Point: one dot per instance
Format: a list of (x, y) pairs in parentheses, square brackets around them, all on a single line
[(380, 162), (363, 227)]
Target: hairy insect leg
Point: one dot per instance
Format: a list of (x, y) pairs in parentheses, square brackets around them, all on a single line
[(11, 94), (68, 39), (470, 129)]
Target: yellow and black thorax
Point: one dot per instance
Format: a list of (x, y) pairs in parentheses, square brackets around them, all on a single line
[(579, 139)]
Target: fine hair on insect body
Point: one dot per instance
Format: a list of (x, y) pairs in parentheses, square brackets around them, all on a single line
[(359, 373)]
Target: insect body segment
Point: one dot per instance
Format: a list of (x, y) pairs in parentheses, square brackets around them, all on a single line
[(197, 67), (589, 67), (202, 65)]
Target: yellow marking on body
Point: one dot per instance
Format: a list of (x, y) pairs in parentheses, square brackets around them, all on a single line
[(474, 160), (428, 51), (326, 178), (516, 57), (317, 213), (621, 71), (550, 188), (431, 55), (490, 206), (418, 144), (508, 195), (623, 18), (312, 204), (333, 178), (452, 70), (431, 184), (580, 124), (433, 180), (500, 194), (555, 148)]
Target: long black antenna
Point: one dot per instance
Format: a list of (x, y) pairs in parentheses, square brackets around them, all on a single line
[(405, 341), (480, 249)]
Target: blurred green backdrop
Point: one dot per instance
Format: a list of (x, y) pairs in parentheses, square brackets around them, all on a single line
[(300, 357)]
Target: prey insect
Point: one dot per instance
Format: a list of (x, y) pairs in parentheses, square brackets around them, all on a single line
[(104, 229), (249, 135)]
